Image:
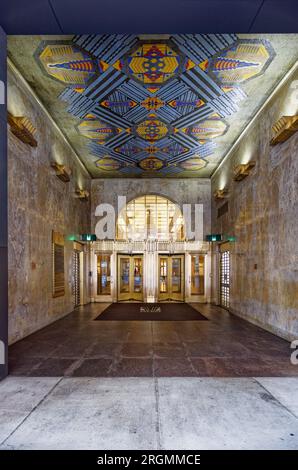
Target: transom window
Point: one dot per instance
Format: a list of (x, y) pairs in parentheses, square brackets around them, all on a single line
[(150, 217)]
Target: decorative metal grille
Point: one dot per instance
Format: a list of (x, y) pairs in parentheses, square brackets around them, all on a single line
[(76, 278), (58, 264), (225, 279)]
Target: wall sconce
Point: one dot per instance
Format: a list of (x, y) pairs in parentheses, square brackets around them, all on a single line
[(283, 129), (220, 194), (22, 128), (63, 172), (82, 194), (243, 170)]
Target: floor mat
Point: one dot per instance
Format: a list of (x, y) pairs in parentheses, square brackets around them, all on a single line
[(150, 312)]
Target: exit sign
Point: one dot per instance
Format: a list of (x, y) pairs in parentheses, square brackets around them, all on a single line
[(88, 237), (214, 237)]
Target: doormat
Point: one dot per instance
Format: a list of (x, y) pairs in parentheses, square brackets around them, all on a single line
[(173, 311)]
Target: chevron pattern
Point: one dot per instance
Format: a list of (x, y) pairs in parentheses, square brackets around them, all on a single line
[(153, 107)]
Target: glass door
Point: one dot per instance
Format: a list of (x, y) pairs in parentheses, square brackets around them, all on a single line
[(171, 277), (197, 274), (130, 277), (163, 278), (137, 276), (177, 277), (103, 274)]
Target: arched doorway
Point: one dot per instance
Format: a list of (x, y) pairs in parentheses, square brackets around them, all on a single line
[(150, 259), (151, 217)]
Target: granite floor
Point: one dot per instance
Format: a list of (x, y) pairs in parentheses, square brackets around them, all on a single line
[(148, 413), (224, 346)]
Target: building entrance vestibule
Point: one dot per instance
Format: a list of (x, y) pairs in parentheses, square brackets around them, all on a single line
[(150, 259)]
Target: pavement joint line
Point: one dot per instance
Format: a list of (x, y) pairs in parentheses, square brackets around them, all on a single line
[(158, 426), (274, 397), (31, 411), (156, 394)]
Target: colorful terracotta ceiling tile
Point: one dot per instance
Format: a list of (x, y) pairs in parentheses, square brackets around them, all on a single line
[(69, 64), (208, 129), (246, 59), (153, 63), (151, 129), (154, 107), (108, 164), (151, 163), (193, 164), (97, 130)]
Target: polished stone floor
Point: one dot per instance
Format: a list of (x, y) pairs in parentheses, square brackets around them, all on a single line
[(224, 346), (148, 413)]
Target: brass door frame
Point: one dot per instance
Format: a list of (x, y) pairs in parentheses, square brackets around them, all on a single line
[(199, 275), (99, 274), (131, 294), (170, 294)]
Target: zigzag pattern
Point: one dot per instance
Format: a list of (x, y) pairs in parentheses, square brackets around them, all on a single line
[(176, 83)]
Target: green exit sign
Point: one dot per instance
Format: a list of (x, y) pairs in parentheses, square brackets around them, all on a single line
[(214, 237), (88, 237)]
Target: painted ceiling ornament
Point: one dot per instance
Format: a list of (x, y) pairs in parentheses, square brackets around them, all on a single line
[(119, 102), (152, 129), (129, 150), (208, 129), (151, 164), (152, 103), (96, 130), (108, 164), (193, 164), (162, 100), (151, 149), (68, 63), (114, 105), (182, 103), (153, 64), (247, 59)]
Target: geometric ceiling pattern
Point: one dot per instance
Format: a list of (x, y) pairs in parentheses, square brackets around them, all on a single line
[(153, 107)]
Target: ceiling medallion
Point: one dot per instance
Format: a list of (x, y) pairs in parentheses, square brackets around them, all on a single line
[(152, 129)]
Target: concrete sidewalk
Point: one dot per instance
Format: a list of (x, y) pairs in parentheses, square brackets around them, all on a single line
[(148, 413)]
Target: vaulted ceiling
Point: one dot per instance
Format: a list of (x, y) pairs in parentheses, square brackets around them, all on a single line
[(153, 106)]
